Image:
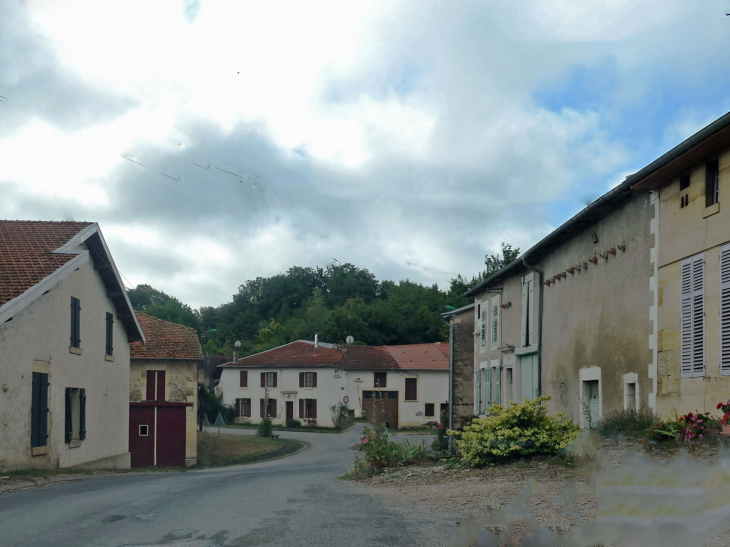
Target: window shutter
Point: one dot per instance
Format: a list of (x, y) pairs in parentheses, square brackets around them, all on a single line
[(531, 313), (263, 408), (301, 379), (478, 391), (75, 322), (35, 410), (43, 410), (263, 379), (725, 310), (69, 425), (248, 408), (274, 380), (238, 408), (495, 325), (301, 409), (82, 414), (525, 308), (314, 379), (314, 408), (109, 334), (487, 387), (272, 408), (151, 376), (698, 315), (686, 318), (160, 385), (483, 329)]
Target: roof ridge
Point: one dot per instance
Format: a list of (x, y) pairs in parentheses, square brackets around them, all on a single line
[(165, 321)]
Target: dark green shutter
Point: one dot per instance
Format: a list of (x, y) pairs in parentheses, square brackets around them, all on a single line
[(109, 334), (301, 409), (82, 414), (75, 322), (39, 411), (69, 423)]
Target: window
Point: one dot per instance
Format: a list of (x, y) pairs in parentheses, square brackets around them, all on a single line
[(429, 410), (155, 385), (144, 430), (591, 404), (243, 379), (444, 408), (75, 415), (712, 183), (380, 379), (243, 408), (631, 396), (75, 322), (39, 411), (307, 379), (308, 409), (411, 389), (725, 310), (495, 322), (693, 316), (683, 182), (270, 410), (527, 307), (483, 331), (109, 334), (268, 379), (509, 384)]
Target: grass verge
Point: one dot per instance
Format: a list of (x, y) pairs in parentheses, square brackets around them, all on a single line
[(240, 449), (303, 429)]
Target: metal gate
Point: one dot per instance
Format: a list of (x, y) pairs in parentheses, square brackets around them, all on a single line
[(157, 433)]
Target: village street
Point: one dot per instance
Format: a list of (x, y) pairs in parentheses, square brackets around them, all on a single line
[(296, 500)]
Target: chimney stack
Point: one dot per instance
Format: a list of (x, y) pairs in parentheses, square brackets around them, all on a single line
[(316, 340), (235, 356)]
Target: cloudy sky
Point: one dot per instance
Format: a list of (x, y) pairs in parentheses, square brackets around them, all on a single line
[(215, 142)]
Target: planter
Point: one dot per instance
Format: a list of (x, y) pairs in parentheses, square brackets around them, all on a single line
[(725, 429)]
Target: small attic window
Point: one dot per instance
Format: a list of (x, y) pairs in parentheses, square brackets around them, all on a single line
[(683, 182)]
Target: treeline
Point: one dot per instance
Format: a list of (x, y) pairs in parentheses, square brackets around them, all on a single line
[(335, 302)]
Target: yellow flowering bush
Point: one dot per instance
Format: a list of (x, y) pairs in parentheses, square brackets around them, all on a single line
[(520, 429)]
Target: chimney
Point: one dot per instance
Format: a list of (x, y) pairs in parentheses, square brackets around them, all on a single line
[(316, 340), (235, 356)]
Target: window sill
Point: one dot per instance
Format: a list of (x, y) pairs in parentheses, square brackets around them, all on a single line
[(410, 400), (711, 210), (526, 349), (39, 451), (74, 444), (110, 358), (505, 348), (242, 387), (76, 351)]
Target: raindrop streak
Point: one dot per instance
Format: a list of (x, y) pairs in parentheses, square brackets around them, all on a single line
[(178, 179), (209, 168), (133, 161)]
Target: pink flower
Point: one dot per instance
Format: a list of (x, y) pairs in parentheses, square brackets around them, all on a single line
[(702, 436), (364, 441), (699, 421)]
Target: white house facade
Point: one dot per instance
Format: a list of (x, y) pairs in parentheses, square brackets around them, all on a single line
[(303, 380), (65, 327)]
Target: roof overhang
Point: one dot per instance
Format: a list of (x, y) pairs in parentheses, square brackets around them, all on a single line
[(98, 252), (457, 311)]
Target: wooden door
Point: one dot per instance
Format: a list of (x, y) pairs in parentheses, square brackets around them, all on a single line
[(381, 407), (289, 410), (142, 436), (170, 436)]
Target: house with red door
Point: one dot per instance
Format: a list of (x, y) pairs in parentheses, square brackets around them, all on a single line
[(163, 394)]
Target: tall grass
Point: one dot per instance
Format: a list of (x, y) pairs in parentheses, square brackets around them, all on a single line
[(629, 423)]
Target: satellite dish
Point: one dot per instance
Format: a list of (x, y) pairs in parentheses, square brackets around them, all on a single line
[(238, 344), (349, 339)]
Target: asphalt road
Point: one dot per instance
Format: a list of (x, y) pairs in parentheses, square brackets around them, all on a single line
[(296, 500)]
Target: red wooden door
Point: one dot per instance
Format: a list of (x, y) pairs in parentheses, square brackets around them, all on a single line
[(170, 436), (142, 435)]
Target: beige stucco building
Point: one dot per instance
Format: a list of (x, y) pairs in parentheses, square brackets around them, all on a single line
[(303, 379), (65, 327), (691, 192), (165, 370)]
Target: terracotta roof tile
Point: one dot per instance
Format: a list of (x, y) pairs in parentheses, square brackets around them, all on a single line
[(421, 356), (303, 354), (26, 253), (165, 340)]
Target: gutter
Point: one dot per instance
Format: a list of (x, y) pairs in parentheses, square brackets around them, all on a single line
[(539, 323)]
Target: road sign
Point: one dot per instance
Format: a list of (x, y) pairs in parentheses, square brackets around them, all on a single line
[(345, 399), (206, 421), (219, 421)]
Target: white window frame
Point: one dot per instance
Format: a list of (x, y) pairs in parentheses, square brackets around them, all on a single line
[(484, 394), (588, 375), (692, 280), (528, 296), (725, 310), (495, 385)]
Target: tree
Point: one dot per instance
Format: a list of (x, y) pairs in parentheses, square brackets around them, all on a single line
[(158, 304), (493, 263)]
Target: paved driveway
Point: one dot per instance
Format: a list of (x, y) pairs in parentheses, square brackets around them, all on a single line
[(292, 501)]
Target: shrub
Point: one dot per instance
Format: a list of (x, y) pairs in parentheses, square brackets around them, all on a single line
[(629, 423), (211, 404), (339, 414), (521, 429), (441, 442), (381, 452), (266, 428), (293, 423)]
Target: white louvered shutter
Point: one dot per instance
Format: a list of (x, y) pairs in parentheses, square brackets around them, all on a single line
[(698, 315), (725, 310), (478, 392), (487, 373), (686, 318), (495, 324), (483, 327)]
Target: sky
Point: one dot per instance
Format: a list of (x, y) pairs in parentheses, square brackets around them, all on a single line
[(216, 142)]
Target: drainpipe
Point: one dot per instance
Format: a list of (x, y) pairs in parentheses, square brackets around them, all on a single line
[(451, 382), (539, 323)]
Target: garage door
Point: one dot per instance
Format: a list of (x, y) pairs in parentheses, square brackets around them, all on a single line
[(381, 406)]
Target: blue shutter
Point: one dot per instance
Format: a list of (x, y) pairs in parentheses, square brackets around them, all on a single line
[(82, 414)]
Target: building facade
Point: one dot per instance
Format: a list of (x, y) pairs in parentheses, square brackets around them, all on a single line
[(65, 327), (303, 380), (164, 375), (461, 374)]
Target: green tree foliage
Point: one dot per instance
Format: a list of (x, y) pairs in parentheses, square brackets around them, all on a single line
[(494, 263), (158, 304)]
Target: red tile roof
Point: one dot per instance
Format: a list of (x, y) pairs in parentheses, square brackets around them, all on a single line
[(26, 253), (421, 356), (303, 354), (165, 340)]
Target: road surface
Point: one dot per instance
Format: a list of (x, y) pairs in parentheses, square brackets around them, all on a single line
[(296, 500)]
